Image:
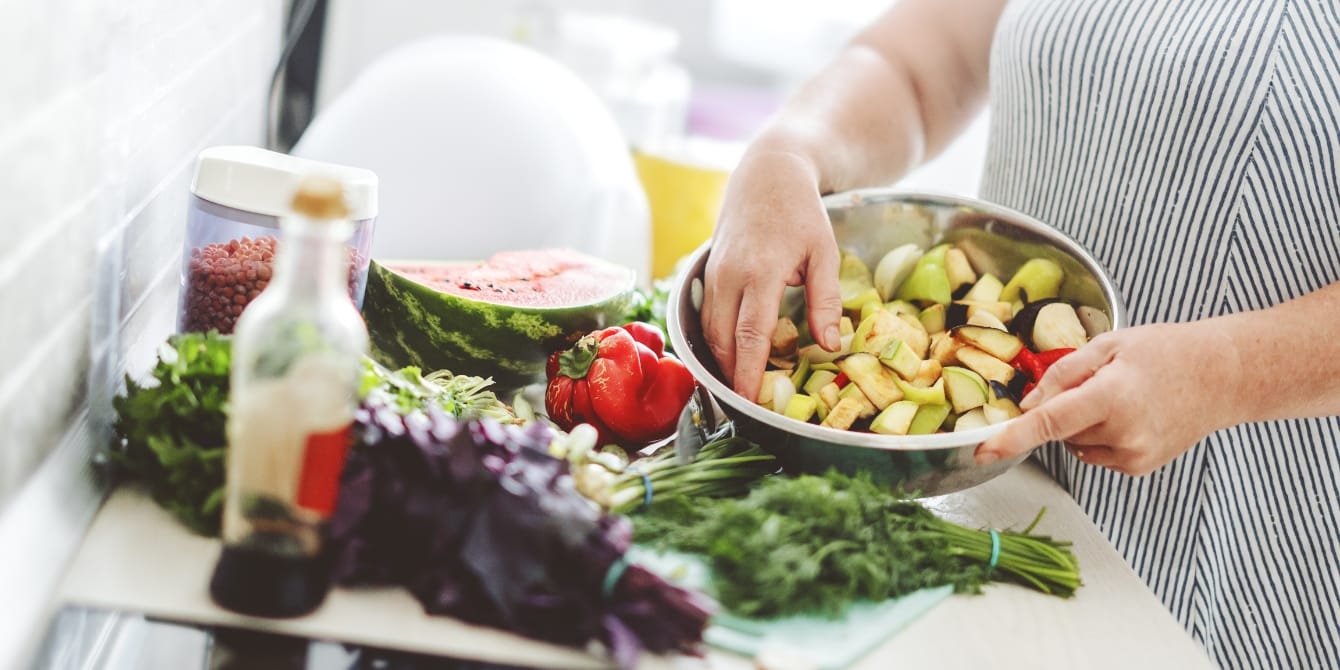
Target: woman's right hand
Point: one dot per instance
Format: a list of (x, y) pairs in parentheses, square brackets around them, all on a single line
[(773, 232)]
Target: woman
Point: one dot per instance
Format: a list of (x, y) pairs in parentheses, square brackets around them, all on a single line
[(1194, 147)]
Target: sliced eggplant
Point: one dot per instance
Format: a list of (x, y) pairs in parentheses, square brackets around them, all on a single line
[(874, 380), (1057, 326), (990, 367), (785, 336), (1017, 384), (956, 314), (1095, 320), (986, 320), (1022, 323), (996, 342)]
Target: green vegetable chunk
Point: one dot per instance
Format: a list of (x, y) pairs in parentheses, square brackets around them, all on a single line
[(808, 544)]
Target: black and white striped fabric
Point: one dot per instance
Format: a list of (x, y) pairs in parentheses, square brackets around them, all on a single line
[(1194, 147)]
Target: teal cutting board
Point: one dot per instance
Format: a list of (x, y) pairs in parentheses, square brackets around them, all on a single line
[(829, 644)]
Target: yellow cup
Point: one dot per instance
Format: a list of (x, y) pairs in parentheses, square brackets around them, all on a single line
[(684, 186)]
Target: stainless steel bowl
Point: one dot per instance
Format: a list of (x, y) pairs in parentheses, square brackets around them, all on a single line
[(870, 222)]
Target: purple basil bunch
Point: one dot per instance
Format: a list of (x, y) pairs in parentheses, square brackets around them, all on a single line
[(479, 522)]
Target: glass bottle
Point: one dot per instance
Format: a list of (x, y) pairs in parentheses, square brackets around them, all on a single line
[(297, 358)]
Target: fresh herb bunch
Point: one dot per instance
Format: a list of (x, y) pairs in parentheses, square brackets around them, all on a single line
[(171, 430), (480, 522), (408, 389), (812, 544)]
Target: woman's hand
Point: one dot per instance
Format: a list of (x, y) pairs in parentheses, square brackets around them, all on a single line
[(773, 232), (1130, 400)]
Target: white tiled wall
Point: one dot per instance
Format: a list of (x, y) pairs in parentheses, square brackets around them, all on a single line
[(103, 106)]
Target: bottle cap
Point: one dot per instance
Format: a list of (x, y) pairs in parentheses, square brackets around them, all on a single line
[(320, 198)]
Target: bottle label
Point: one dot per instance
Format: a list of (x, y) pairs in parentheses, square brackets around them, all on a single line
[(322, 463)]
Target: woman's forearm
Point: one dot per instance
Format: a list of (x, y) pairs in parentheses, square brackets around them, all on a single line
[(895, 96), (1286, 359)]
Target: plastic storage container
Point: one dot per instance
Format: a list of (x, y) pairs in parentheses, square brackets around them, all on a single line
[(238, 195)]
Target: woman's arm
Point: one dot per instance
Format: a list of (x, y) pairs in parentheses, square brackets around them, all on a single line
[(1134, 399), (895, 95)]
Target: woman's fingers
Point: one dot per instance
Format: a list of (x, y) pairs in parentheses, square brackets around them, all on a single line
[(1068, 413), (823, 299), (753, 335), (722, 292), (1095, 454), (1070, 371)]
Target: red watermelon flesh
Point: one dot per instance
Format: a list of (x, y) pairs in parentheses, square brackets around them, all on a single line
[(548, 278)]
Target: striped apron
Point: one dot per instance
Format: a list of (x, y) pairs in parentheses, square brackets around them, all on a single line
[(1194, 147)]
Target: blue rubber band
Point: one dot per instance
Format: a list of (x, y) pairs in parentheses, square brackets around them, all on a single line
[(646, 490), (995, 550), (613, 575)]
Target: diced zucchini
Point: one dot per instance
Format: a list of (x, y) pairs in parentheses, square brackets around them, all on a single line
[(896, 419), (801, 373), (929, 395), (928, 419), (801, 407), (900, 358), (818, 379)]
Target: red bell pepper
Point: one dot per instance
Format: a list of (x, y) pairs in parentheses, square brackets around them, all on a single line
[(621, 381), (1035, 364)]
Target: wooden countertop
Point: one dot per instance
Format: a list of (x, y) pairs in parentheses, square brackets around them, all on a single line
[(136, 558)]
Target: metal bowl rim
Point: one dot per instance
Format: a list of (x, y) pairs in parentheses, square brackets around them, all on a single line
[(852, 198)]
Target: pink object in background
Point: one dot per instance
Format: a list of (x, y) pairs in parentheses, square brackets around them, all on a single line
[(731, 113)]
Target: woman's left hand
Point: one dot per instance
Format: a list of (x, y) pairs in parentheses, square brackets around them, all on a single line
[(1130, 400)]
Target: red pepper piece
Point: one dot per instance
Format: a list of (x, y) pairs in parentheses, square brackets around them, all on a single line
[(1046, 358), (1027, 362), (842, 380)]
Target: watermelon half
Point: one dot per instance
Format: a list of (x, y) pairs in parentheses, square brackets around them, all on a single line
[(498, 318)]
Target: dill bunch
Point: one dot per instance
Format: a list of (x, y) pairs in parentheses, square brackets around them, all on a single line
[(810, 544)]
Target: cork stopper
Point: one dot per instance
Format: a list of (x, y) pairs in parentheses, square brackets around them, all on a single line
[(320, 198)]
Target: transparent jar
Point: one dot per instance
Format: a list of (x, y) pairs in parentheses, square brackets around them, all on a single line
[(297, 360), (238, 195)]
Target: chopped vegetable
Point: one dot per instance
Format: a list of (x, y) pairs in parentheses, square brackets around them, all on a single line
[(813, 544), (944, 314), (478, 521)]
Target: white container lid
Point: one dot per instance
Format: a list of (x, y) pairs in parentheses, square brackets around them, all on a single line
[(257, 180)]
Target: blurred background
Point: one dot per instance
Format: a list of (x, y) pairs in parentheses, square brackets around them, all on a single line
[(608, 125), (711, 69)]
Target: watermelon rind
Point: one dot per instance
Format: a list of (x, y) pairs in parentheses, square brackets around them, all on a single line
[(410, 323)]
